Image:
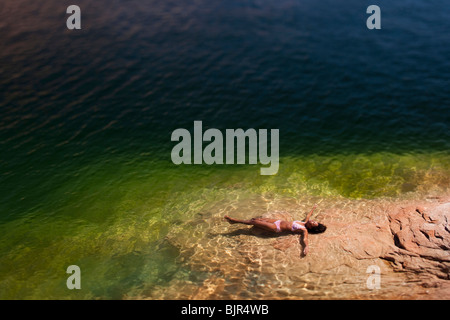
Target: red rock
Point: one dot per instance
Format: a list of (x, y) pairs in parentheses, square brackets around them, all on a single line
[(422, 238)]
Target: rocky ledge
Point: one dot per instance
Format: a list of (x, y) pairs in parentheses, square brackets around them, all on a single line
[(421, 236), (407, 241)]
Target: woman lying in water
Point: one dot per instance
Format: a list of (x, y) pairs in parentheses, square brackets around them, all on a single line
[(277, 226)]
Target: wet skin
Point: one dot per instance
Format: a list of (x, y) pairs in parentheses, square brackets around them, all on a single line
[(268, 224)]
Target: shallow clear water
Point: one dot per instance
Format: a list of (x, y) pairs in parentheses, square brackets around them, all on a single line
[(86, 118)]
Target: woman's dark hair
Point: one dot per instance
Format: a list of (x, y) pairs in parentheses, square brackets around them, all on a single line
[(319, 229)]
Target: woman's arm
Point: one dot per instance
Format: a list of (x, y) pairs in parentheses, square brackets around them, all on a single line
[(310, 213), (304, 237)]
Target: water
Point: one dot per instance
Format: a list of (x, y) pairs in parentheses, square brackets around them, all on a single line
[(86, 118)]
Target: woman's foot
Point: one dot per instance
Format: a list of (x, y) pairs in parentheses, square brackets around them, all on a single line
[(230, 220)]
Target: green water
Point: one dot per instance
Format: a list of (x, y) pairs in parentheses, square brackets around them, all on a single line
[(111, 221)]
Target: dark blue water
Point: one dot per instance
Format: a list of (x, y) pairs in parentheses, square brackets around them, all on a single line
[(86, 115), (311, 69)]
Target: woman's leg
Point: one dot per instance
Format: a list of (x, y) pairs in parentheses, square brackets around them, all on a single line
[(263, 223)]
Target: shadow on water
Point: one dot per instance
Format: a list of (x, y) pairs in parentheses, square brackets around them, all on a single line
[(253, 231), (282, 238)]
